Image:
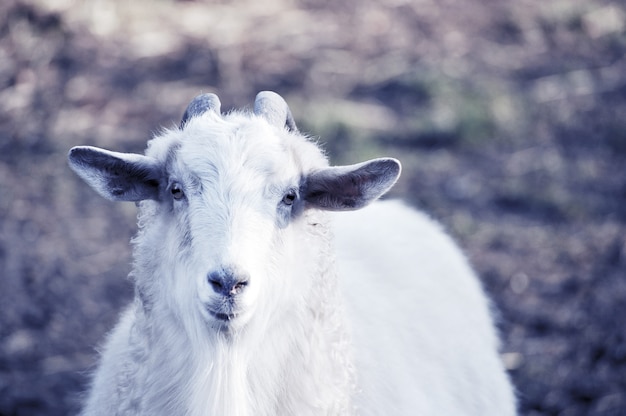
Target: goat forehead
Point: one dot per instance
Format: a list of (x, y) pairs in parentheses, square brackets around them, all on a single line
[(236, 148), (212, 147)]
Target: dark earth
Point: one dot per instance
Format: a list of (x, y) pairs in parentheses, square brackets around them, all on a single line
[(509, 118)]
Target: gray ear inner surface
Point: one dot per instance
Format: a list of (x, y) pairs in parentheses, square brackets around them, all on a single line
[(117, 176), (200, 105), (345, 188), (275, 110)]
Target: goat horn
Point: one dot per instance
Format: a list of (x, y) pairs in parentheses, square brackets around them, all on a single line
[(275, 110), (200, 105)]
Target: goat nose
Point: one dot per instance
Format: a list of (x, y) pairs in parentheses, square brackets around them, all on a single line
[(228, 281)]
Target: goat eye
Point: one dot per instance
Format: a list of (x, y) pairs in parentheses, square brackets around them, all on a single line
[(177, 191), (289, 198)]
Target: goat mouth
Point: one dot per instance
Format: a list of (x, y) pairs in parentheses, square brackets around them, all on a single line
[(222, 316)]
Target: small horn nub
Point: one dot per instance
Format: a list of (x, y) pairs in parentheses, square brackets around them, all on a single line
[(275, 110), (200, 105)]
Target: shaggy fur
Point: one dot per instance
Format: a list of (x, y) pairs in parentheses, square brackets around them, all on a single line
[(241, 194), (423, 335)]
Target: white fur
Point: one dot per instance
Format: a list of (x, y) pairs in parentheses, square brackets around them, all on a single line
[(424, 339), (424, 342)]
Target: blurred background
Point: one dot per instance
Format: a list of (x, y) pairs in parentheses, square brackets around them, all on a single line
[(509, 118)]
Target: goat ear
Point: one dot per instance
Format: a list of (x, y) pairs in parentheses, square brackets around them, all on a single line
[(117, 176), (345, 188)]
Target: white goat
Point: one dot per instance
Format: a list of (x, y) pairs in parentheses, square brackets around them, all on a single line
[(238, 307)]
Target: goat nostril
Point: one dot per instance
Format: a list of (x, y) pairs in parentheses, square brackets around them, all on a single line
[(216, 285), (238, 287)]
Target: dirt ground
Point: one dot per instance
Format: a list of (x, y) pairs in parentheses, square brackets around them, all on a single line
[(509, 118)]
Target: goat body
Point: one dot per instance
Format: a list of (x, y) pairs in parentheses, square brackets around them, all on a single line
[(423, 336), (239, 309)]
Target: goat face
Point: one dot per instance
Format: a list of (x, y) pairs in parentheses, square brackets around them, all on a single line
[(227, 209), (232, 195)]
